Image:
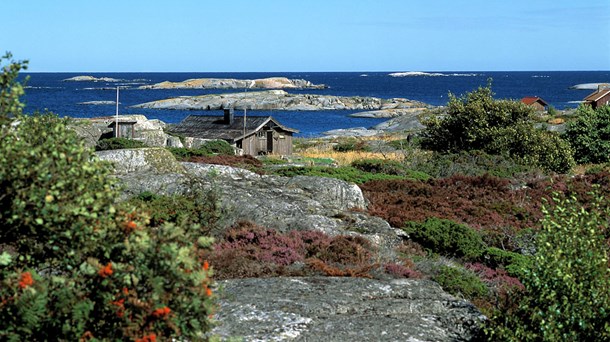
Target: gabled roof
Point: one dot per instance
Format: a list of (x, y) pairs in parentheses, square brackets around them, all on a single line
[(597, 95), (215, 127), (528, 100)]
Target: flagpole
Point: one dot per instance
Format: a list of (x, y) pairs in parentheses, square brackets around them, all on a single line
[(117, 113)]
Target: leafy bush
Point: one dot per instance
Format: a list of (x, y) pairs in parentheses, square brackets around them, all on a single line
[(567, 296), (514, 263), (461, 282), (388, 167), (212, 147), (72, 266), (446, 237), (118, 144), (472, 163), (199, 209), (589, 134), (476, 121), (351, 144)]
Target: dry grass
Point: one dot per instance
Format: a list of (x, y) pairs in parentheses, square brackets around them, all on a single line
[(346, 158)]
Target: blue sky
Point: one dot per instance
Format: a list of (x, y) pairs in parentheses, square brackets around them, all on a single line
[(307, 35)]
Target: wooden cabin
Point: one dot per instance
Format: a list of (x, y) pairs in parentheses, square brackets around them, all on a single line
[(259, 135), (536, 102), (126, 129), (600, 97)]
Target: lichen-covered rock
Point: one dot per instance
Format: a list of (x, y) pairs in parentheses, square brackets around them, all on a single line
[(141, 160), (343, 309), (281, 203)]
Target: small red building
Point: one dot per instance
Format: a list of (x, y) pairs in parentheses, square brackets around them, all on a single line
[(599, 98), (536, 102)]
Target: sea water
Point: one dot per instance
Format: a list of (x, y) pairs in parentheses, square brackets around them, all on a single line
[(48, 91)]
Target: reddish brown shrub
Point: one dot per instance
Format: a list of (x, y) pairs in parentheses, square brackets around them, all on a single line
[(245, 161), (402, 271), (340, 271), (248, 250), (480, 202)]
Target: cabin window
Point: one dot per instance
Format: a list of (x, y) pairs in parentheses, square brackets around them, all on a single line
[(260, 135)]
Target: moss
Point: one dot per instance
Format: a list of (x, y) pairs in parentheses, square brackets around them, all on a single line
[(162, 160)]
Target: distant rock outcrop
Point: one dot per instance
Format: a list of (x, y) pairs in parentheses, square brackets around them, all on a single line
[(280, 100), (91, 79), (231, 83), (586, 86), (343, 309), (97, 103)]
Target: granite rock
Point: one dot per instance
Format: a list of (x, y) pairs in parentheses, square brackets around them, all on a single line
[(343, 309)]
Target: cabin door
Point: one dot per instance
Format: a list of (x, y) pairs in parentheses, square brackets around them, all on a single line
[(269, 141)]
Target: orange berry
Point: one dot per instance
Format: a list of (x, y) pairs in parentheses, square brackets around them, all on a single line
[(26, 280), (105, 271)]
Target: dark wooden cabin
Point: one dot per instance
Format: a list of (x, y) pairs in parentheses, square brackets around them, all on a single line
[(536, 102), (126, 129), (260, 135), (599, 98)]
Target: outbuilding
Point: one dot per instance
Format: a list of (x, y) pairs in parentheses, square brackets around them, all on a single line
[(258, 135), (538, 103), (599, 98)]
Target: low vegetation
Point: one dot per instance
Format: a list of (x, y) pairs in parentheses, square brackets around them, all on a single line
[(74, 265), (118, 144), (488, 202)]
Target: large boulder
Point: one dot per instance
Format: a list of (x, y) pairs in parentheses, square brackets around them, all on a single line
[(343, 309), (141, 160), (282, 203)]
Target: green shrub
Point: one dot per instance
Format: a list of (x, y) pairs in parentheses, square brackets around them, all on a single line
[(514, 263), (589, 134), (209, 148), (346, 173), (461, 282), (118, 144), (72, 266), (351, 144), (388, 167), (567, 297), (197, 209), (472, 163), (446, 237), (476, 121)]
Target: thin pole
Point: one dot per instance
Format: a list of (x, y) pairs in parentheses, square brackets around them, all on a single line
[(117, 113), (245, 105), (245, 91)]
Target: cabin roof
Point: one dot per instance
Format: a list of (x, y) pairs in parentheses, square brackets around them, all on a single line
[(528, 100), (216, 127), (598, 94)]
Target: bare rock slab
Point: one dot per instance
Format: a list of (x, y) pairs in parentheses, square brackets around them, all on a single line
[(343, 309)]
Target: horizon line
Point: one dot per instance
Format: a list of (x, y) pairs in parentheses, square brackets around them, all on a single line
[(310, 71)]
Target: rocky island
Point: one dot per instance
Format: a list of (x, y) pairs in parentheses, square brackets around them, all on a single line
[(231, 83), (280, 100), (91, 79)]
